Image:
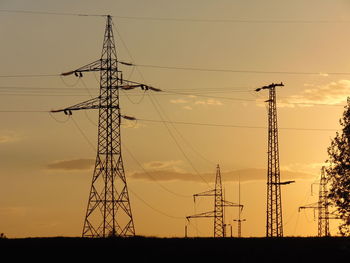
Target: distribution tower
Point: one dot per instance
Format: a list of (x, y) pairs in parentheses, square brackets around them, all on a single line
[(274, 224), (219, 206), (322, 207)]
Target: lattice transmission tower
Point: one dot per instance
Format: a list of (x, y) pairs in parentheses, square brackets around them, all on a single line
[(274, 224), (219, 206), (108, 211), (322, 207)]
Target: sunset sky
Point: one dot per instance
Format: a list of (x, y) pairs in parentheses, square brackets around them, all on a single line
[(47, 160)]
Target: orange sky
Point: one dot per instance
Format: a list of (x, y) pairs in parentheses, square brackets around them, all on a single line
[(47, 163)]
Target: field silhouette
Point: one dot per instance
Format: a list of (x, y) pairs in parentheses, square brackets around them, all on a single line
[(149, 249)]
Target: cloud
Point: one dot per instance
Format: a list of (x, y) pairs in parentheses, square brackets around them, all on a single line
[(194, 102), (179, 101), (245, 175), (6, 137), (208, 102), (172, 165), (332, 93), (71, 165)]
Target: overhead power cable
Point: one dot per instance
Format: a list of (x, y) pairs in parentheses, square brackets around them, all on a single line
[(236, 21), (232, 126), (48, 13), (242, 71), (29, 75), (183, 19)]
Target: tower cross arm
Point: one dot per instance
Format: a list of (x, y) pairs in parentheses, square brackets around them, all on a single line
[(228, 203), (128, 84), (86, 105), (205, 214), (313, 205), (273, 85), (206, 193), (93, 66)]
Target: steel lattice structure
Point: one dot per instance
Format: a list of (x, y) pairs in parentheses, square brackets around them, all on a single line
[(108, 211), (219, 205), (322, 207), (274, 225), (323, 213)]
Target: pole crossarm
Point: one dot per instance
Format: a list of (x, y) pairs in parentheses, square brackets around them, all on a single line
[(271, 86), (93, 66), (228, 203), (204, 214), (206, 193), (86, 105), (309, 206), (282, 183)]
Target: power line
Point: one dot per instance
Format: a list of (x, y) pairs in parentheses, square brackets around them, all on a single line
[(29, 75), (23, 111), (192, 123), (241, 71), (236, 21), (173, 137), (152, 178), (253, 100), (48, 13), (232, 126), (178, 19), (153, 208)]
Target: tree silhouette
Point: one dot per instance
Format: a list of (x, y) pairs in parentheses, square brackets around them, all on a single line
[(338, 172)]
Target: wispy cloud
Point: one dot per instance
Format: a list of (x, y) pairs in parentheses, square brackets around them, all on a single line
[(72, 165), (194, 102), (179, 101), (209, 102), (332, 93), (7, 137), (245, 175)]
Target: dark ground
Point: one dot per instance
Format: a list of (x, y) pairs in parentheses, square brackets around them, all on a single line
[(148, 249)]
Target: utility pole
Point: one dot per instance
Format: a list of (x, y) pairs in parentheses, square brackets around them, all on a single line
[(219, 205), (239, 220), (322, 207), (274, 224), (108, 211)]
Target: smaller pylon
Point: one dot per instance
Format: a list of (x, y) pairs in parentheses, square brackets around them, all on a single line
[(321, 206), (219, 204)]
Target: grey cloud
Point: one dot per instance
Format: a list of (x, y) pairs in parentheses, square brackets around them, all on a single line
[(69, 165)]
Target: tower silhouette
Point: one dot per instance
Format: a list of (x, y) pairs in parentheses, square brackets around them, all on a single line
[(274, 225), (219, 205), (108, 211), (323, 213), (239, 220), (322, 207)]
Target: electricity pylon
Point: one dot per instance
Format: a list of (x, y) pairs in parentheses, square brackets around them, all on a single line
[(108, 211), (219, 206), (239, 220), (322, 207), (274, 225)]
